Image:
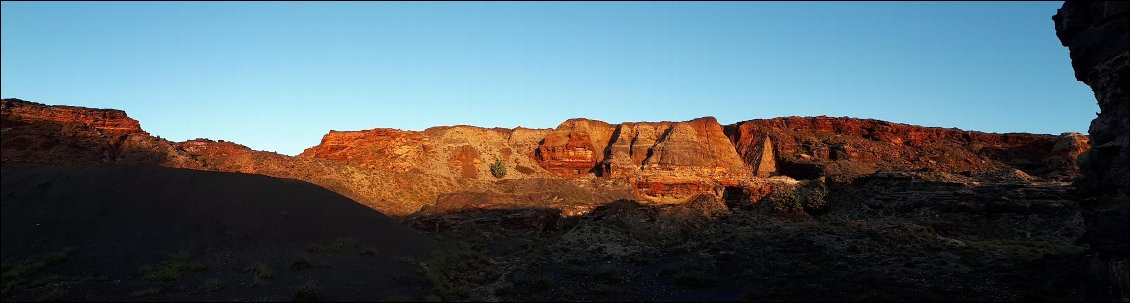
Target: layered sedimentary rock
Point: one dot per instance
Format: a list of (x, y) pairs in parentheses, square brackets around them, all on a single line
[(462, 153), (574, 167), (845, 148), (574, 148), (1095, 33), (671, 162), (667, 162), (16, 111), (38, 133)]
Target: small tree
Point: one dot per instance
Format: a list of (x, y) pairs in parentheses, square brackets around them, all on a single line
[(498, 169)]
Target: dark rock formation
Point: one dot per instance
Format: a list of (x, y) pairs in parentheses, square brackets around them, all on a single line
[(1096, 35)]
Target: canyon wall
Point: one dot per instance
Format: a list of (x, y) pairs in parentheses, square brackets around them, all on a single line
[(574, 167), (1096, 35), (845, 148)]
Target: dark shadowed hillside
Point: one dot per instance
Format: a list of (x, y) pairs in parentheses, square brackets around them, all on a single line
[(126, 232)]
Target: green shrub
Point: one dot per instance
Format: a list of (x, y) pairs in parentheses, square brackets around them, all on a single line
[(177, 265), (343, 245), (813, 196), (260, 274), (212, 285), (452, 275), (14, 277), (301, 263), (498, 169), (55, 295), (308, 292), (798, 201)]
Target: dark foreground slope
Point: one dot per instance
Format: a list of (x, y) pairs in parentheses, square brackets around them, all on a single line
[(154, 233), (889, 237)]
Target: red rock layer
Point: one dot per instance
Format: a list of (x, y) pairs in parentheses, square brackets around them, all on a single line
[(16, 111), (574, 148), (37, 133), (843, 148), (671, 162), (399, 172)]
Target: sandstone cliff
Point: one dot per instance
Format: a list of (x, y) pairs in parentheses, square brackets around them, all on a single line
[(845, 148), (575, 167), (38, 133)]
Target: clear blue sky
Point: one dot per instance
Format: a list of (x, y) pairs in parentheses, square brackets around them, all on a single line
[(277, 76)]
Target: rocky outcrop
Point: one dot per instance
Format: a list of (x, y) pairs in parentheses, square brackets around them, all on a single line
[(1095, 33), (845, 148), (16, 112), (665, 162), (48, 134), (671, 162), (386, 148), (574, 148)]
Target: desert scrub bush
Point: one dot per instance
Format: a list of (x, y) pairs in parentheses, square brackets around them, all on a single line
[(798, 200), (453, 275), (260, 274), (813, 196), (177, 265), (308, 292), (212, 285), (301, 263), (343, 245), (14, 277), (498, 169), (56, 294)]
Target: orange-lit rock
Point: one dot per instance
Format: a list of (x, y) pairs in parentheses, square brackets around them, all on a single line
[(574, 148), (16, 111), (38, 133), (671, 162), (380, 147), (844, 148), (580, 164)]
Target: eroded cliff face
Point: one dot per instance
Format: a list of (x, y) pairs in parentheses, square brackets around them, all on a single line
[(574, 148), (1096, 35), (16, 111), (458, 152), (673, 162), (38, 133), (575, 167), (846, 148)]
